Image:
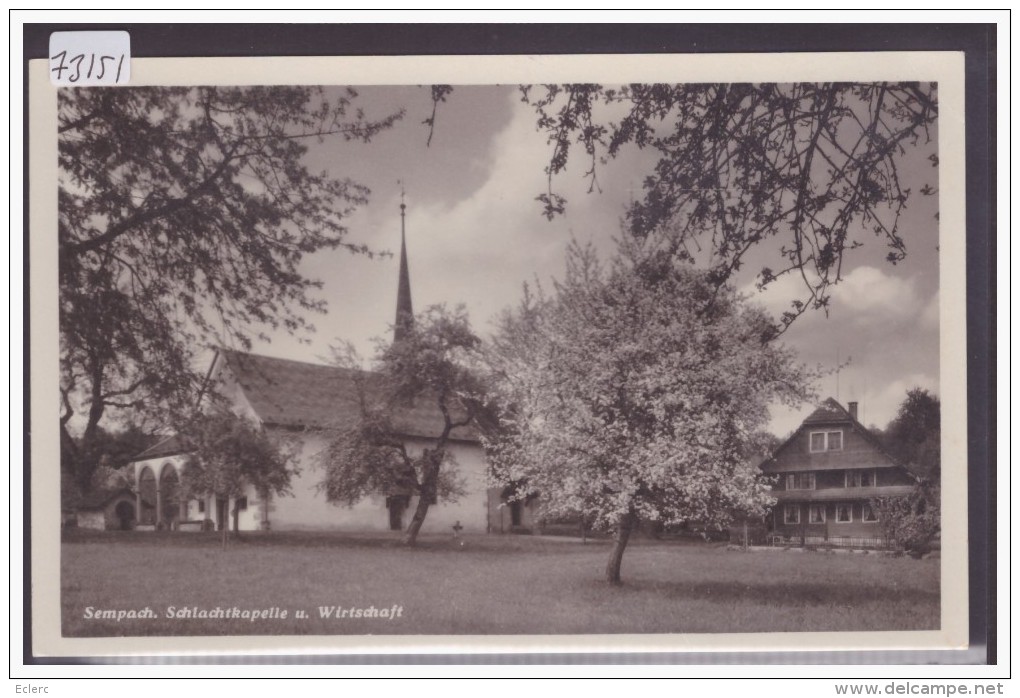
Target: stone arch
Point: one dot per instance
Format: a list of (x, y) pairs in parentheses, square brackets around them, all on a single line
[(169, 494), (147, 490)]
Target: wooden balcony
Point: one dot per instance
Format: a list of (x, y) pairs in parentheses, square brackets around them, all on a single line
[(842, 494)]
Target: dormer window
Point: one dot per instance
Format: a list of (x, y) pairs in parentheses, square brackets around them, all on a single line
[(822, 441)]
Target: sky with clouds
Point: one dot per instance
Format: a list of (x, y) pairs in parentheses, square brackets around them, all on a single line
[(475, 234)]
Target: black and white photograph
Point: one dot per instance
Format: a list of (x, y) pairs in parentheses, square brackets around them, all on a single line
[(652, 350)]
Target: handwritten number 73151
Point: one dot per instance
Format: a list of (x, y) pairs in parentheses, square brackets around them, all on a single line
[(85, 64)]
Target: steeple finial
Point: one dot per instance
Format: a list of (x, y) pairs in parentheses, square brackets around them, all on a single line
[(405, 313)]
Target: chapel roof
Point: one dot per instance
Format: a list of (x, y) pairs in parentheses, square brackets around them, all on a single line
[(289, 393), (169, 446), (405, 311)]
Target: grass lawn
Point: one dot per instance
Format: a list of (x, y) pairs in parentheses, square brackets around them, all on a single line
[(490, 585)]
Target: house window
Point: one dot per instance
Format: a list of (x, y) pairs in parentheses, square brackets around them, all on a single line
[(835, 441), (242, 504), (844, 513), (868, 514), (821, 441), (800, 481), (859, 478), (201, 506), (791, 514), (816, 514)]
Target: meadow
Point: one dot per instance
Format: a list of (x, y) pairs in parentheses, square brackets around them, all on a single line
[(477, 585)]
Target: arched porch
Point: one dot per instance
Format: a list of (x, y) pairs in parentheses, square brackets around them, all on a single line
[(165, 491)]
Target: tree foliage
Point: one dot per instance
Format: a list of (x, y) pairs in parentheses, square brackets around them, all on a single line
[(231, 454), (183, 216), (635, 392), (912, 521), (429, 369), (117, 448), (913, 438), (813, 168)]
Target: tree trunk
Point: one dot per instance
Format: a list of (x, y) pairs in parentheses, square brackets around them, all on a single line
[(236, 515), (83, 462), (411, 535), (426, 491), (623, 531)]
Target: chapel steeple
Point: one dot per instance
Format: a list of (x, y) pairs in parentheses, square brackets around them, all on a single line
[(405, 313)]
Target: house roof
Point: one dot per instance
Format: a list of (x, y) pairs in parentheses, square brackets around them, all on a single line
[(831, 412), (290, 393)]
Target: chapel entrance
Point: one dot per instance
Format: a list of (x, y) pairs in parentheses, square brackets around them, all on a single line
[(221, 514), (397, 504), (512, 500), (515, 513), (125, 513)]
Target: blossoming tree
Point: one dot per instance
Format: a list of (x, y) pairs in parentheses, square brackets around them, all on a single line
[(632, 392)]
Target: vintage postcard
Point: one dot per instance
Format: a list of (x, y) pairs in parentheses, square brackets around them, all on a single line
[(499, 354)]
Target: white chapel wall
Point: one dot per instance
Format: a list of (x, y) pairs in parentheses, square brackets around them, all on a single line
[(307, 508)]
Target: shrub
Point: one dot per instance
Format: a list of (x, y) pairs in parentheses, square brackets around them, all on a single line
[(912, 521)]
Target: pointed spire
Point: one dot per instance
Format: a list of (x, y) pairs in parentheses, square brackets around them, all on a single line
[(405, 313)]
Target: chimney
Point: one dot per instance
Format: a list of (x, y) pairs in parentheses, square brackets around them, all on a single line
[(853, 409)]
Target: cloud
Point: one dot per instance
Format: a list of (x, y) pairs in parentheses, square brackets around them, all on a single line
[(930, 315), (475, 233), (778, 295), (865, 296), (480, 249), (870, 291), (880, 405)]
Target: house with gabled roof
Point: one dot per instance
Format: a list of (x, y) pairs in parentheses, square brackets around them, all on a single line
[(110, 508), (828, 473), (300, 402)]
